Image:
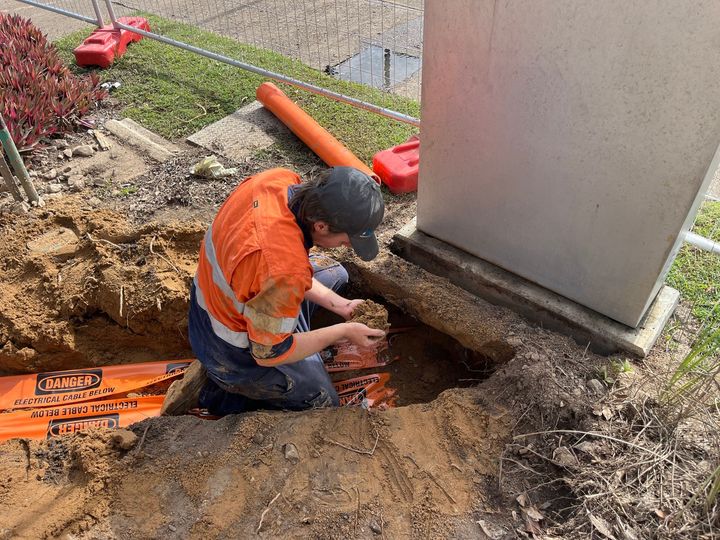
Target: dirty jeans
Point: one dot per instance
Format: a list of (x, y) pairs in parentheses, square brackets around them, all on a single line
[(236, 383)]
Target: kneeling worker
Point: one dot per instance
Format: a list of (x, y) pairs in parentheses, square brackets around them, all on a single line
[(256, 288)]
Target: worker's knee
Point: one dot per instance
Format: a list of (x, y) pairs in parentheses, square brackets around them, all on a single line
[(322, 399), (329, 272)]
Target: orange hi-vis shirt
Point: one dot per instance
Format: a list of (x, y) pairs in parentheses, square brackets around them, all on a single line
[(254, 269)]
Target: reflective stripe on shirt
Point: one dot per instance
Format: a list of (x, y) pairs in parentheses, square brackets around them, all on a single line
[(266, 323), (239, 339), (218, 276)]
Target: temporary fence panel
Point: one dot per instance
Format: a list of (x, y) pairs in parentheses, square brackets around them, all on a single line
[(374, 43)]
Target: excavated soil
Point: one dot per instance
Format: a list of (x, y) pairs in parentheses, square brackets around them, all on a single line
[(426, 470), (119, 296)]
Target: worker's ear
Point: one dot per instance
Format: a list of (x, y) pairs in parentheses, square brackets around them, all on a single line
[(320, 227)]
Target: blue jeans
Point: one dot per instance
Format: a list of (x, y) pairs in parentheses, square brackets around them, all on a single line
[(236, 383)]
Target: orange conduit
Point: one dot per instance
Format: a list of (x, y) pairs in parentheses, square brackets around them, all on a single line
[(327, 147)]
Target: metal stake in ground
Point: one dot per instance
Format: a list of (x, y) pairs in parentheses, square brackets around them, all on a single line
[(17, 163), (7, 175)]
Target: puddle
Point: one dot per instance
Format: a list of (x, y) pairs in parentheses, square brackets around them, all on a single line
[(378, 67), (424, 362)]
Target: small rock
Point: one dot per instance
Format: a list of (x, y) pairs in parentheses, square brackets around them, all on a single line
[(564, 456), (595, 387), (20, 207), (84, 150), (67, 169), (291, 453), (76, 182), (124, 439), (60, 144), (587, 447), (68, 153), (32, 174), (514, 341), (535, 357), (258, 438), (53, 196), (54, 188), (374, 527), (172, 528), (94, 201), (60, 156), (51, 174)]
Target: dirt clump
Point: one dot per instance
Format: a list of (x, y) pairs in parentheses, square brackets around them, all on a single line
[(371, 314)]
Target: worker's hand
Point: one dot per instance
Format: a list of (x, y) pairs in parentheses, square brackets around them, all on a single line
[(362, 335), (345, 310)]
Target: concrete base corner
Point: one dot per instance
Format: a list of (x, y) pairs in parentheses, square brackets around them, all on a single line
[(532, 301)]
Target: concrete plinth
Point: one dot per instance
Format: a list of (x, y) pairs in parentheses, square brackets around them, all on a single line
[(533, 301)]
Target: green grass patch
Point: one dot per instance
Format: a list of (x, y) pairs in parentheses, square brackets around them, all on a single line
[(175, 92), (696, 273)]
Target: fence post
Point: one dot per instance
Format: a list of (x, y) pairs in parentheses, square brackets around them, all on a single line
[(98, 15), (17, 163), (111, 12), (7, 175)]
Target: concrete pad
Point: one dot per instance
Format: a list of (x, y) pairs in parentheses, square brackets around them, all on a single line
[(126, 132), (536, 303), (242, 133), (151, 135)]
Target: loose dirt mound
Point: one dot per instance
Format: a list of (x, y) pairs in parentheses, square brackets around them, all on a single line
[(413, 472), (119, 295)]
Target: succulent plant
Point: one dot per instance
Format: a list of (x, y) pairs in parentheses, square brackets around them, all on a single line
[(39, 95)]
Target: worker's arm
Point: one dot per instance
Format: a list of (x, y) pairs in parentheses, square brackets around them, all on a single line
[(324, 297), (307, 343), (270, 323)]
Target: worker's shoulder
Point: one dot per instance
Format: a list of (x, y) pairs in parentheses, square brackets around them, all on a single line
[(278, 174)]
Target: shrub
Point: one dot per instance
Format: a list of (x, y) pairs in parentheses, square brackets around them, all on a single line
[(39, 96)]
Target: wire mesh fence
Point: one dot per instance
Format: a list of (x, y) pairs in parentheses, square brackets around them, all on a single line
[(373, 42), (373, 45)]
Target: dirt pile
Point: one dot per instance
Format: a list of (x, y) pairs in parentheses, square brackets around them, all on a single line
[(352, 473), (115, 294)]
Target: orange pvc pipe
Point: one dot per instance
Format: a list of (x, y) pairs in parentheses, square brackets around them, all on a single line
[(327, 147)]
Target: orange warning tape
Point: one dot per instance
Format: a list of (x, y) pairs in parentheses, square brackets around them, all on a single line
[(349, 357), (369, 390), (57, 388), (51, 422)]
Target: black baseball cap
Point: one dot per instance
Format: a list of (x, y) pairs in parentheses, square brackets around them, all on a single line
[(353, 202)]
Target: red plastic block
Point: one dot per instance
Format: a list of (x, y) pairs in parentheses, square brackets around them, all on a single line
[(397, 167), (107, 43)]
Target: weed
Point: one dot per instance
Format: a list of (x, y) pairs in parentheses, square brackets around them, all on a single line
[(127, 190), (610, 372)]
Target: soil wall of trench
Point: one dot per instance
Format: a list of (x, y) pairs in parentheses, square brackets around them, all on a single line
[(120, 295)]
